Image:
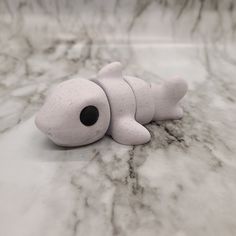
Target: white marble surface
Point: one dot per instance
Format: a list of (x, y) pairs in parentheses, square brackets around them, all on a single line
[(181, 183)]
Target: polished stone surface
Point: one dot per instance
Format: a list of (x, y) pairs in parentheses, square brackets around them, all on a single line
[(181, 183)]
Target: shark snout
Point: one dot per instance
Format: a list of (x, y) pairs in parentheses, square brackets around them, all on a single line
[(43, 123)]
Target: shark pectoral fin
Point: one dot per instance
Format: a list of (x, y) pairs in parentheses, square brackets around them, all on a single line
[(111, 71), (129, 132)]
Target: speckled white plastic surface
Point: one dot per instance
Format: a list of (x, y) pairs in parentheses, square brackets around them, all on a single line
[(123, 127), (123, 104), (59, 118)]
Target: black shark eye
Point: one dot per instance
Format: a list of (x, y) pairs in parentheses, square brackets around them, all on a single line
[(89, 115)]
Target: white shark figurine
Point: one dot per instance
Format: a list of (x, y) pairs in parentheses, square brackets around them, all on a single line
[(80, 111)]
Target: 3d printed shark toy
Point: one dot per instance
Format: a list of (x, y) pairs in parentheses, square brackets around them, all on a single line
[(80, 111)]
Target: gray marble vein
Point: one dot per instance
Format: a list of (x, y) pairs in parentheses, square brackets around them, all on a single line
[(181, 183)]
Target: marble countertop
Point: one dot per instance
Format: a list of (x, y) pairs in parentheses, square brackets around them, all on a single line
[(182, 183)]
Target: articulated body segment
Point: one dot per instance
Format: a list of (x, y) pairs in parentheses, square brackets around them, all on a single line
[(134, 102)]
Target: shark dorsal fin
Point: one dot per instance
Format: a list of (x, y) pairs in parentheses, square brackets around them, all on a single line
[(111, 71)]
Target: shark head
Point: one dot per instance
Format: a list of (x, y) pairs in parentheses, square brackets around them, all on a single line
[(76, 113)]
